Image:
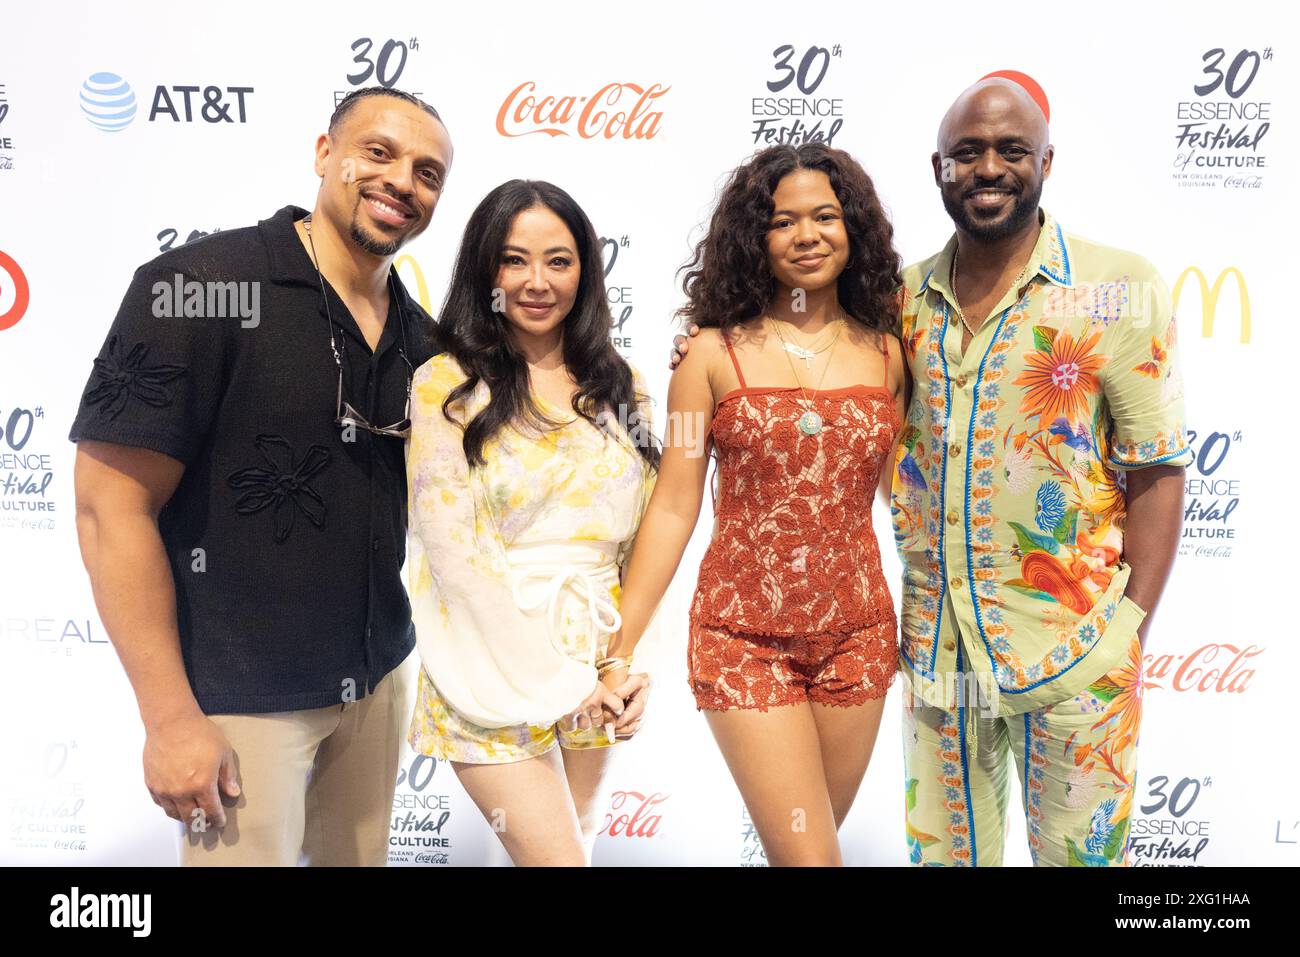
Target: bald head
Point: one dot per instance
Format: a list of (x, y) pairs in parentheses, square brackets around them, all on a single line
[(995, 103), (992, 159)]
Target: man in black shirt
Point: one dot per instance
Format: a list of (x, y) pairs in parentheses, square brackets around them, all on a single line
[(241, 502)]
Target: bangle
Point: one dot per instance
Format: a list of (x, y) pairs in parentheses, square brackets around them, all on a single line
[(606, 665)]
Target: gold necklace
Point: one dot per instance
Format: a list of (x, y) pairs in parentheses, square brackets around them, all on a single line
[(805, 353), (810, 423), (952, 282)]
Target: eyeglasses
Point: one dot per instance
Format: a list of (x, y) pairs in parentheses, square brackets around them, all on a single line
[(345, 415)]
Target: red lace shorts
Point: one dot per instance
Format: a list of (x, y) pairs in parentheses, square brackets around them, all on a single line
[(733, 669)]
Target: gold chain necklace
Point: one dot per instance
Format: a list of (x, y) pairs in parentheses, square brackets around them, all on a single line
[(804, 352), (952, 282), (810, 423)]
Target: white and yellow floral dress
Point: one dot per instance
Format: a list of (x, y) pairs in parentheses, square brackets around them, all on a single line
[(513, 570)]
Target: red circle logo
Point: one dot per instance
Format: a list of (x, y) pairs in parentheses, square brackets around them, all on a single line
[(22, 294), (1029, 84)]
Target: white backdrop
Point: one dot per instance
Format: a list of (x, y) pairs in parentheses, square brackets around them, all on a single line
[(81, 207)]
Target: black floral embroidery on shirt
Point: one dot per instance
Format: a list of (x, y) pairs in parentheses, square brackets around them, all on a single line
[(282, 486), (117, 378)]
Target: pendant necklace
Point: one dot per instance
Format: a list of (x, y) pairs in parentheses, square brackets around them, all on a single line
[(810, 423), (803, 352)]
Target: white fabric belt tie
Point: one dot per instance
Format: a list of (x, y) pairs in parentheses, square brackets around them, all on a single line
[(587, 569)]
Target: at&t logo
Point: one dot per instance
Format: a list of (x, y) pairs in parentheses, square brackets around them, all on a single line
[(108, 102)]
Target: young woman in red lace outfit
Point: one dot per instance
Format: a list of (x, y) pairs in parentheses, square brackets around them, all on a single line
[(798, 383)]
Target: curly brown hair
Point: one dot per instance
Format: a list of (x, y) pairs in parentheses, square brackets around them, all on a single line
[(728, 280)]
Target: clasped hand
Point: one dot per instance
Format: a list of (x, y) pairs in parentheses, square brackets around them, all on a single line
[(617, 703)]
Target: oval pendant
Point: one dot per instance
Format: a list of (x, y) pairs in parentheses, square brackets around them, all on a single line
[(810, 423)]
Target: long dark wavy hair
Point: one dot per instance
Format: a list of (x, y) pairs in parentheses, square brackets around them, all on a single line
[(479, 337), (728, 280)]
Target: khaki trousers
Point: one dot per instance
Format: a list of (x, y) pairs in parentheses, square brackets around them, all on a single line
[(316, 785)]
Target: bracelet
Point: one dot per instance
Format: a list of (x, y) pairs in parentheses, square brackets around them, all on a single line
[(606, 665)]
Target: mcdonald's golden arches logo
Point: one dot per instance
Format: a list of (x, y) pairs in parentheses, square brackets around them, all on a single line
[(1210, 298), (421, 289)]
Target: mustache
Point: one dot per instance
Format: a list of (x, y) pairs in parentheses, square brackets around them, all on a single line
[(1008, 187), (406, 199)]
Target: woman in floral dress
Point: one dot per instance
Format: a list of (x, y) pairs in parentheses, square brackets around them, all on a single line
[(529, 464)]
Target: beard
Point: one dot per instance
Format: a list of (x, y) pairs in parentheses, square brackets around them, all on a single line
[(372, 245), (368, 241), (1024, 208)]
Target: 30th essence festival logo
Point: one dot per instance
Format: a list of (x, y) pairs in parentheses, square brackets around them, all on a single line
[(1212, 494), (417, 829), (6, 141), (617, 291), (167, 238), (626, 111), (751, 847), (25, 472), (796, 108), (47, 805), (376, 63), (109, 103), (1172, 828), (1221, 130)]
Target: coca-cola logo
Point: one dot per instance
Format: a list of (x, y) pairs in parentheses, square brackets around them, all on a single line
[(623, 110), (1216, 667), (644, 819)]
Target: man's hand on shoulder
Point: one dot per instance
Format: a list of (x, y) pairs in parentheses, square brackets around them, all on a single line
[(681, 345)]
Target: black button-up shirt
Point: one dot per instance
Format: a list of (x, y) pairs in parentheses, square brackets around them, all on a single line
[(286, 540)]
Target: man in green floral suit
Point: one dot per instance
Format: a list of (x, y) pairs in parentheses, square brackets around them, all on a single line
[(1037, 500)]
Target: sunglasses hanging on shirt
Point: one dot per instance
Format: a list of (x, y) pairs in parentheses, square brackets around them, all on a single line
[(345, 414)]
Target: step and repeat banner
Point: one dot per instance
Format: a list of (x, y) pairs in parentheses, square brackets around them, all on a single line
[(1173, 131)]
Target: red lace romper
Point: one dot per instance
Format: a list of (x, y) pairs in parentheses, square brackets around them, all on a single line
[(791, 604)]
